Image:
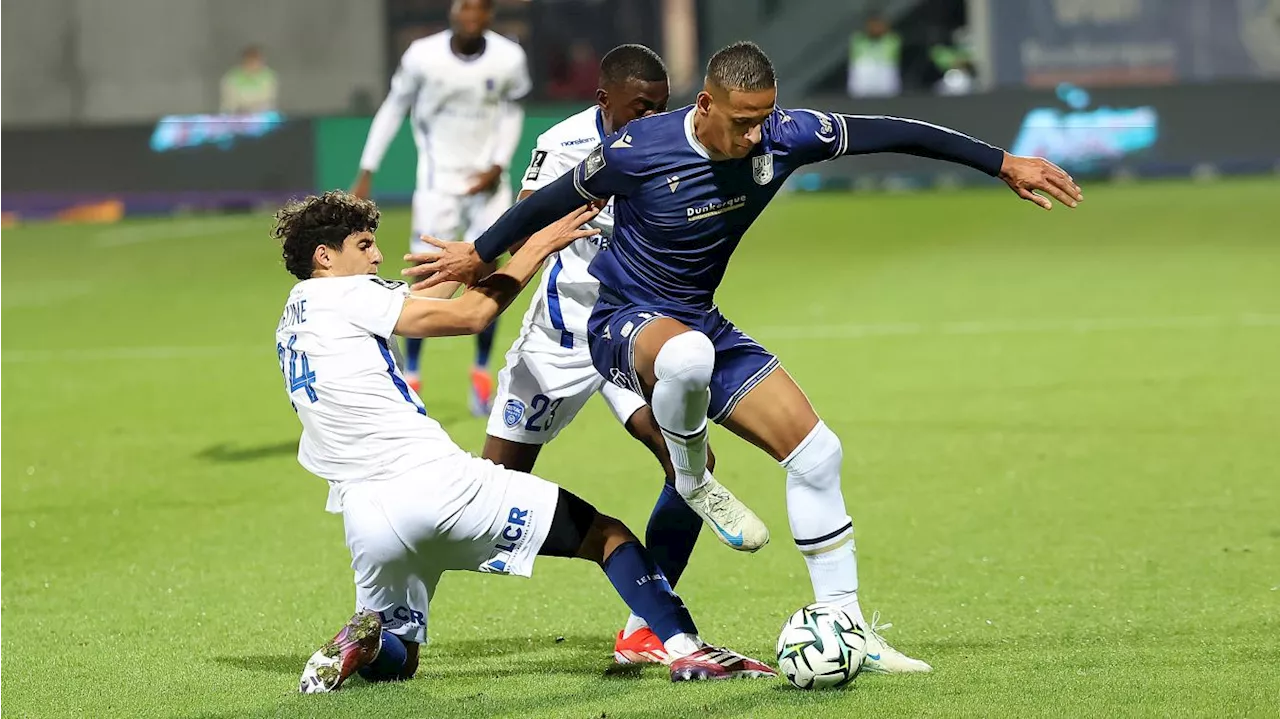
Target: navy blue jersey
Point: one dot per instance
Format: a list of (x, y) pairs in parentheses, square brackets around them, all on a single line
[(679, 215)]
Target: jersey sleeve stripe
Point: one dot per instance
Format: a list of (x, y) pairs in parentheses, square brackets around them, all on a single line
[(586, 194), (553, 304), (396, 379), (843, 145)]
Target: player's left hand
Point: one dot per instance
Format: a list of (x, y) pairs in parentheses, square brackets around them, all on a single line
[(485, 181), (1028, 175), (451, 262)]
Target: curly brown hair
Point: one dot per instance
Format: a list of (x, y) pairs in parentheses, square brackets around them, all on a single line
[(303, 225)]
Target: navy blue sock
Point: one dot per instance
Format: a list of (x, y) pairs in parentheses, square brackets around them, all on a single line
[(646, 591), (484, 344), (673, 530), (412, 350), (386, 667)]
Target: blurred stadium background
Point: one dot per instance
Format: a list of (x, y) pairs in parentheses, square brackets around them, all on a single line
[(1060, 428), (114, 108)]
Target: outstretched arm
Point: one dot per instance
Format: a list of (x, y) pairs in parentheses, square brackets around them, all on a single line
[(386, 123), (427, 316), (866, 134)]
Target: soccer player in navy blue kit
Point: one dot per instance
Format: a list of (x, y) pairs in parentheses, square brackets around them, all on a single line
[(686, 186)]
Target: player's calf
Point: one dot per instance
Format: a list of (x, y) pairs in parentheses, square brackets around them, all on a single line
[(577, 529)]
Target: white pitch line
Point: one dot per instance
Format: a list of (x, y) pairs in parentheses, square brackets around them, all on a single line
[(811, 332), (1083, 325)]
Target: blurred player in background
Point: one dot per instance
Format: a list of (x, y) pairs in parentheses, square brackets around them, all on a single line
[(686, 186), (548, 377), (462, 87), (413, 504)]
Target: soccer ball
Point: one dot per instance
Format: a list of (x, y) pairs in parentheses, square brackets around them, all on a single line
[(821, 647)]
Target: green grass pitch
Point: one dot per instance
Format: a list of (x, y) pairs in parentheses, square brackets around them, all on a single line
[(1061, 459)]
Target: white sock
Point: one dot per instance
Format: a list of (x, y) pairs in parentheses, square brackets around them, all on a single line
[(680, 400), (634, 624), (687, 454), (834, 575), (682, 645), (822, 529)]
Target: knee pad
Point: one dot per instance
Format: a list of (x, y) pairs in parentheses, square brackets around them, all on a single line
[(686, 359), (816, 460)]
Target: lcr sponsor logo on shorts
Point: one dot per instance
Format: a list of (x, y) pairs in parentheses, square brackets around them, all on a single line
[(400, 614), (512, 412), (512, 538)]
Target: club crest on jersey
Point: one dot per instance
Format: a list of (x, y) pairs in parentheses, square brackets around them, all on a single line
[(762, 168), (512, 412)]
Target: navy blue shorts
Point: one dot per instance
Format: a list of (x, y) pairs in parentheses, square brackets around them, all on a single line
[(741, 362)]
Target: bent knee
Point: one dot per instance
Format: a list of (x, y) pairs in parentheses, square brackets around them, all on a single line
[(686, 359), (816, 461)]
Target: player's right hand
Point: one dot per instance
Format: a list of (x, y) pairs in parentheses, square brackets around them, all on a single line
[(1033, 177), (564, 231), (449, 262)]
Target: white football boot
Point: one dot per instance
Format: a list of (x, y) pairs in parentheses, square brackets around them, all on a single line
[(734, 523), (884, 659)]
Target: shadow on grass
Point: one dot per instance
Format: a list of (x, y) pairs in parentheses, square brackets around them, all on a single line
[(226, 453), (271, 663), (518, 676), (565, 655)]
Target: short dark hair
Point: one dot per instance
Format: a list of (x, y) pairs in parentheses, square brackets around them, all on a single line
[(303, 225), (632, 62), (741, 66)]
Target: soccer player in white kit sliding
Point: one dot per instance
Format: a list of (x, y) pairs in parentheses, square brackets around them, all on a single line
[(548, 376), (413, 504), (462, 87)]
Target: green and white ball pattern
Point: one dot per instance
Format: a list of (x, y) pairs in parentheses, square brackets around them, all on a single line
[(820, 647)]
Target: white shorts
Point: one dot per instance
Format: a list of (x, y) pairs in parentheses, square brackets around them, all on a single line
[(543, 387), (460, 512), (451, 217)]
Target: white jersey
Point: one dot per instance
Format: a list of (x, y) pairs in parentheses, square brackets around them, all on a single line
[(456, 106), (360, 420), (567, 292)]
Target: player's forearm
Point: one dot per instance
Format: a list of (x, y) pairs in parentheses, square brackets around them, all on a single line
[(537, 211), (476, 308), (869, 134), (507, 135), (383, 129)]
